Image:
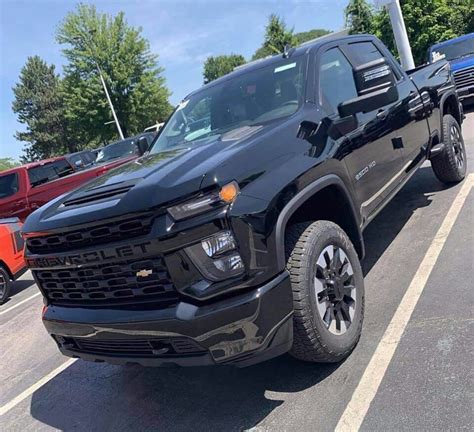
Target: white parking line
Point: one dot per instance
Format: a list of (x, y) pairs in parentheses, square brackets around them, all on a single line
[(357, 408), (20, 303), (30, 390)]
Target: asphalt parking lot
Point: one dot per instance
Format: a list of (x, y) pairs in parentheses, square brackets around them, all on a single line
[(419, 280)]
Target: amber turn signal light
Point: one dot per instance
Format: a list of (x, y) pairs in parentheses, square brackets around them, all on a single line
[(229, 192)]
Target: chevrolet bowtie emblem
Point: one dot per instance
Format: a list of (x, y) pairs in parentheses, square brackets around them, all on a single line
[(144, 273)]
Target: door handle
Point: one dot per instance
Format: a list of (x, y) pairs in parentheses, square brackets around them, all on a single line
[(381, 114)]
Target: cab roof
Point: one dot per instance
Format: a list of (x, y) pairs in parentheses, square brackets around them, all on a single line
[(31, 165), (293, 52), (451, 41)]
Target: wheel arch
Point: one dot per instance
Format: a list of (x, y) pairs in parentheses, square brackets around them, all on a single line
[(301, 208), (450, 105), (4, 266)]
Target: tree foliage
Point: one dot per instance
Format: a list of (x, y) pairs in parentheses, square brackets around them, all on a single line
[(306, 36), (427, 22), (39, 106), (217, 66), (359, 16), (131, 72), (7, 163), (277, 35)]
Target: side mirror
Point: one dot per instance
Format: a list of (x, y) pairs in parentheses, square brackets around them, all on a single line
[(368, 102), (372, 76), (376, 87), (142, 145)]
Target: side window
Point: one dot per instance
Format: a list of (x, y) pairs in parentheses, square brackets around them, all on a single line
[(363, 52), (62, 167), (42, 174), (360, 53), (8, 185), (336, 80)]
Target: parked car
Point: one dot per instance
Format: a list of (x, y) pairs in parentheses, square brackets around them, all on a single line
[(240, 240), (81, 160), (12, 264), (459, 52), (28, 187), (96, 152), (127, 149)]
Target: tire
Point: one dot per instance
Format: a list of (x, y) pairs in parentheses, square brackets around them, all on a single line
[(314, 339), (4, 285), (450, 166)]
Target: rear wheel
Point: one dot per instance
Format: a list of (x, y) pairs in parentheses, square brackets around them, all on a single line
[(450, 165), (328, 292), (4, 285)]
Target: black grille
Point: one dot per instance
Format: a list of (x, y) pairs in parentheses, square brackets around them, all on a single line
[(126, 282), (464, 77), (104, 232), (146, 347)]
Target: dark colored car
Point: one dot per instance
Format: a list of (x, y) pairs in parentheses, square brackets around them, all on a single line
[(125, 149), (459, 52), (238, 236), (81, 160)]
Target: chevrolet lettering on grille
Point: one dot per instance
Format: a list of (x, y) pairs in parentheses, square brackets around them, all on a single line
[(93, 257)]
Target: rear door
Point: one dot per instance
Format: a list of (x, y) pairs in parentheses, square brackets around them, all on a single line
[(409, 116), (371, 159)]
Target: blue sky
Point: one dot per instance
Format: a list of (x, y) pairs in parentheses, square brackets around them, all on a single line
[(182, 32)]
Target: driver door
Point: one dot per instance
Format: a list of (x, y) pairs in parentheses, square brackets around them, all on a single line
[(368, 152)]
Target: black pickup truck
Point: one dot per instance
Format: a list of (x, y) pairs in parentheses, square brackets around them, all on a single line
[(237, 236)]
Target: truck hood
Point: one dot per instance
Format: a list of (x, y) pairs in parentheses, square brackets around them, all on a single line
[(144, 183), (462, 63)]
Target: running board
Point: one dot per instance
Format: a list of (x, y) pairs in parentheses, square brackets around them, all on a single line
[(436, 150)]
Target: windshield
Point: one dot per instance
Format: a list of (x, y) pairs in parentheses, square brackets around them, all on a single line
[(117, 150), (252, 98), (453, 50)]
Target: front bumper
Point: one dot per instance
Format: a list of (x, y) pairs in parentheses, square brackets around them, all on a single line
[(466, 93), (241, 330)]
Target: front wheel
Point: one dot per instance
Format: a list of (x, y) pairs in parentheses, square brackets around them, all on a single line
[(451, 164), (328, 292), (4, 285)]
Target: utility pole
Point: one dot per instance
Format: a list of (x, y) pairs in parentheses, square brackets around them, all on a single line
[(119, 129), (400, 32)]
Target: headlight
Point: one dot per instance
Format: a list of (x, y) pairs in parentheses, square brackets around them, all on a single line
[(185, 210), (216, 257), (218, 244)]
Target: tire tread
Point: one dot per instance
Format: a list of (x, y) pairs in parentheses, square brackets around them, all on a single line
[(307, 342)]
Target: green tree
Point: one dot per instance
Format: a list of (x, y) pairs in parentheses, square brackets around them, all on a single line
[(427, 23), (277, 35), (131, 72), (39, 106), (306, 36), (215, 67), (7, 163), (359, 17)]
